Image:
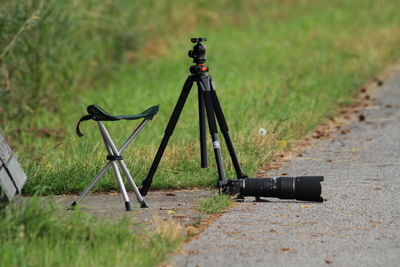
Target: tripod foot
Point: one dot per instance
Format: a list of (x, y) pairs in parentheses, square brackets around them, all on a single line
[(143, 204), (73, 205), (128, 206), (259, 199)]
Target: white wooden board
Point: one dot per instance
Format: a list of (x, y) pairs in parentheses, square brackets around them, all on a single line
[(12, 177)]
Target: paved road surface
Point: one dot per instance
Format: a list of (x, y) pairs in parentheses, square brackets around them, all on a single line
[(180, 205), (358, 225)]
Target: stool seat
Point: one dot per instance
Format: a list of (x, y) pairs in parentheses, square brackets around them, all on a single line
[(98, 114)]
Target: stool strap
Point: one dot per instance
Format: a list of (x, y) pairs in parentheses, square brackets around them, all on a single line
[(84, 118)]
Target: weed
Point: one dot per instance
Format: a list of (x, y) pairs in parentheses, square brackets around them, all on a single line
[(216, 204)]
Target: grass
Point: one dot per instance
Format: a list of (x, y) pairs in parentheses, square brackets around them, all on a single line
[(216, 204), (39, 234), (280, 65)]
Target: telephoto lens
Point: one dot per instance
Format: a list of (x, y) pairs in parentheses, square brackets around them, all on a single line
[(301, 188)]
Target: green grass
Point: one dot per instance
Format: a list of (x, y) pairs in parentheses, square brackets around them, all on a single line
[(37, 233), (281, 65), (216, 204)]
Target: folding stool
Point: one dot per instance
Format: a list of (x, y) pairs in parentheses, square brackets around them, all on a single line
[(115, 155)]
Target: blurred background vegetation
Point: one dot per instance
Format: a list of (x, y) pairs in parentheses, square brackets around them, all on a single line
[(281, 65)]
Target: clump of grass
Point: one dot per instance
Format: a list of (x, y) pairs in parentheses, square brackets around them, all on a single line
[(168, 229), (216, 204), (36, 233)]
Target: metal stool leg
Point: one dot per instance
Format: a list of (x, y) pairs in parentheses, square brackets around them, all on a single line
[(128, 205), (114, 165), (121, 162), (91, 185), (109, 164), (139, 197)]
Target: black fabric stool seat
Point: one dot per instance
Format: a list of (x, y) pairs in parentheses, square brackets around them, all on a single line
[(98, 114)]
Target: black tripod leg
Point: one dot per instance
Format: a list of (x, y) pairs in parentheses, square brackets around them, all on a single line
[(167, 134), (225, 131), (202, 122), (204, 85)]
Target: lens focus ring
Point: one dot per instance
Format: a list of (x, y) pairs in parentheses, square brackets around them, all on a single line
[(287, 187)]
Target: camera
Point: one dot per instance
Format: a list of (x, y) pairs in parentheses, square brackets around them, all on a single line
[(306, 188)]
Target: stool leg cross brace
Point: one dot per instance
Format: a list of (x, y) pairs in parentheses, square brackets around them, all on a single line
[(114, 156)]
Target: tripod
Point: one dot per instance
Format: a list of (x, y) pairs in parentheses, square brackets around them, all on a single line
[(209, 106)]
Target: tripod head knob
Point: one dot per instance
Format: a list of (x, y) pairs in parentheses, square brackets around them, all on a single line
[(198, 40), (198, 53)]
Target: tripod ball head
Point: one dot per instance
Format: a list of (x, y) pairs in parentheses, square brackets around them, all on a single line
[(198, 53)]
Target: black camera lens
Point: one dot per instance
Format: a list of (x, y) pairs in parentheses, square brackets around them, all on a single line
[(301, 188), (308, 187)]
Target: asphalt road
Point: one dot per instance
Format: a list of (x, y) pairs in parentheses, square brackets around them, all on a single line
[(357, 225), (179, 205)]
